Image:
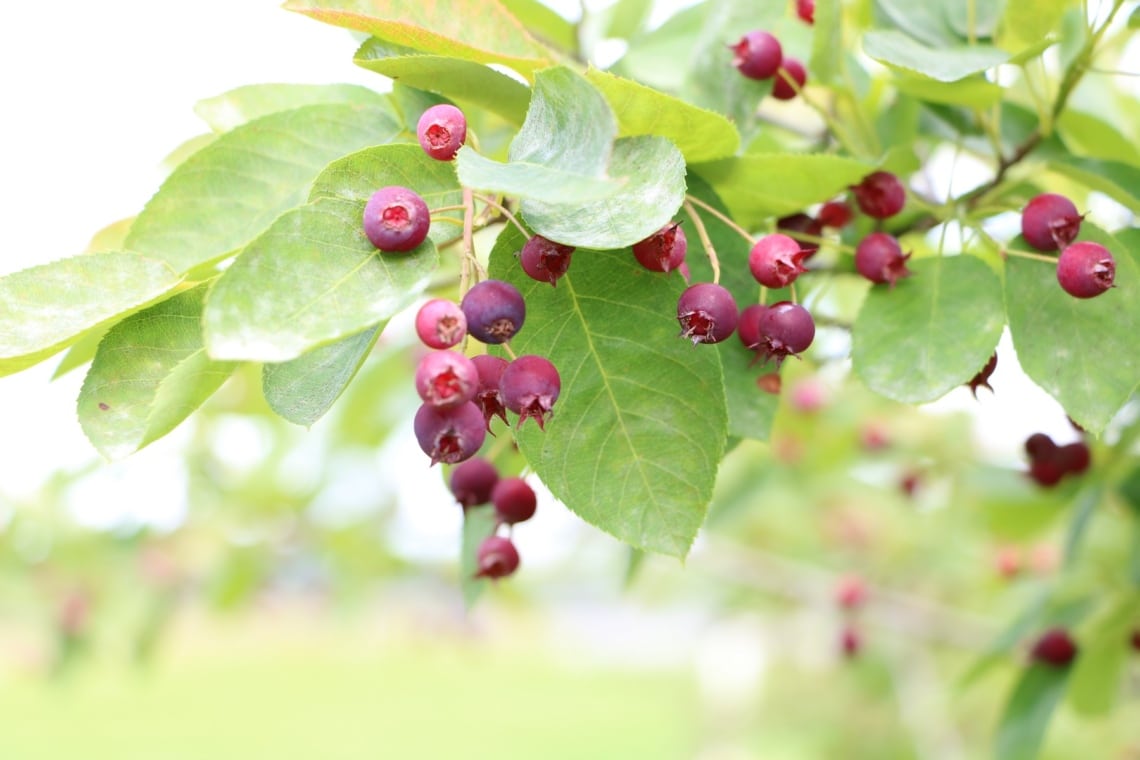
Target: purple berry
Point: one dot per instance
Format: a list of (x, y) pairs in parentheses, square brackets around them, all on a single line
[(792, 70), (982, 379), (449, 435), (471, 482), (529, 387), (544, 260), (1086, 269), (442, 129), (880, 195), (757, 55), (487, 397), (396, 219), (1055, 647), (664, 250), (1050, 221), (441, 323), (446, 379), (786, 329), (879, 258), (497, 558), (514, 500), (707, 313), (775, 260), (793, 223), (495, 311)]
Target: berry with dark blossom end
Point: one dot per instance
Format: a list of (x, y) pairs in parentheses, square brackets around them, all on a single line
[(707, 313), (529, 387), (396, 219), (982, 379), (1054, 647), (664, 250), (440, 323), (1086, 269), (449, 435), (790, 69), (879, 258), (446, 379), (1050, 221), (835, 214), (880, 195), (757, 55), (802, 223), (442, 130), (805, 9), (471, 482), (544, 260), (786, 329), (495, 311), (496, 558), (514, 500), (776, 260), (487, 397)]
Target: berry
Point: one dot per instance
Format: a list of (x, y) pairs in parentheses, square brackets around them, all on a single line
[(880, 195), (1046, 472), (879, 258), (471, 482), (497, 558), (446, 378), (1134, 640), (441, 323), (794, 223), (835, 214), (1039, 446), (808, 396), (396, 219), (487, 398), (1007, 562), (544, 260), (793, 70), (775, 260), (529, 386), (982, 379), (1050, 221), (442, 129), (850, 642), (805, 9), (1086, 269), (770, 382), (664, 250), (1074, 458), (1055, 647), (449, 435), (495, 311), (748, 325), (707, 313), (850, 592), (757, 55), (514, 500), (785, 329)]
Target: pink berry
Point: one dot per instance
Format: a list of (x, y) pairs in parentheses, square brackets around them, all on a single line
[(879, 258), (850, 592), (1086, 269), (805, 9), (497, 558), (707, 313), (664, 250), (441, 323), (1050, 221), (396, 219), (449, 435), (776, 260), (529, 387), (442, 130), (880, 195), (790, 69), (544, 260), (514, 500), (446, 379), (471, 482), (1055, 647), (757, 55)]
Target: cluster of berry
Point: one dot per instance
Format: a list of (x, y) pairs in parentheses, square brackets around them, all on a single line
[(1050, 222), (1048, 462), (475, 483)]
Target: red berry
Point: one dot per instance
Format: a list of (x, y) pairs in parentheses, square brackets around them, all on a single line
[(775, 260), (529, 386), (880, 195), (664, 250), (1074, 458), (757, 55), (1050, 221), (497, 558), (442, 129), (544, 260), (441, 323), (748, 326), (514, 500), (1055, 647), (1039, 446), (850, 642), (471, 482), (1046, 472), (791, 69), (801, 223), (707, 313), (835, 214), (879, 258), (487, 396), (1086, 269), (805, 9), (786, 329), (396, 219), (982, 379), (449, 435), (446, 379), (495, 311)]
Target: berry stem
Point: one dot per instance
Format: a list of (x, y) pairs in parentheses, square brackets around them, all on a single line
[(504, 211), (703, 234), (510, 351), (468, 241), (763, 295), (721, 216), (1029, 255)]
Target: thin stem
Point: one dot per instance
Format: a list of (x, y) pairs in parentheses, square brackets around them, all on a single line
[(807, 237), (792, 290), (504, 211), (763, 295), (703, 234), (456, 207), (723, 217), (447, 220), (510, 351), (1029, 255), (468, 241)]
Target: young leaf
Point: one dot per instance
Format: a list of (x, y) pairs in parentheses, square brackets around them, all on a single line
[(150, 372), (1094, 688), (244, 104), (1028, 711), (944, 64), (1024, 23)]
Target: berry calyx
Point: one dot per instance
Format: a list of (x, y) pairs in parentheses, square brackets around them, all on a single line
[(707, 313), (805, 9), (880, 195), (442, 130), (664, 250), (982, 379), (791, 70), (776, 260), (835, 214), (496, 558), (487, 397), (880, 259), (440, 323), (529, 386), (757, 55), (514, 500), (495, 311), (786, 329), (544, 260), (396, 219), (1055, 647), (1086, 269), (1050, 221), (446, 378), (471, 482), (449, 435)]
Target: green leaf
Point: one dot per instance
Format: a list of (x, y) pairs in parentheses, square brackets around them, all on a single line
[(545, 23), (1066, 345), (1117, 180), (972, 19), (1130, 491), (654, 174), (945, 64), (626, 18), (530, 181), (244, 104), (483, 32), (1094, 688), (1028, 711), (975, 92), (638, 432), (46, 308), (150, 372), (81, 352), (1134, 19), (478, 523), (1090, 136), (311, 279), (931, 332), (827, 42), (304, 389), (230, 191), (925, 21), (569, 125), (699, 134), (1025, 22), (455, 78)]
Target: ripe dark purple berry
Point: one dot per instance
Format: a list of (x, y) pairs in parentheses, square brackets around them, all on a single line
[(786, 329), (1050, 221), (1039, 446), (1055, 647), (496, 558), (791, 70), (544, 260), (664, 250), (495, 311), (982, 379), (805, 9), (441, 323), (850, 642), (471, 482), (442, 130), (776, 260), (396, 219), (801, 223), (757, 55), (529, 387), (446, 379), (879, 258), (707, 313), (1086, 269), (1074, 458), (487, 397), (880, 195), (835, 214), (514, 500), (449, 435)]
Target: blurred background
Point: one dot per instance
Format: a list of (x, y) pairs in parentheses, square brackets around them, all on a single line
[(246, 588)]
